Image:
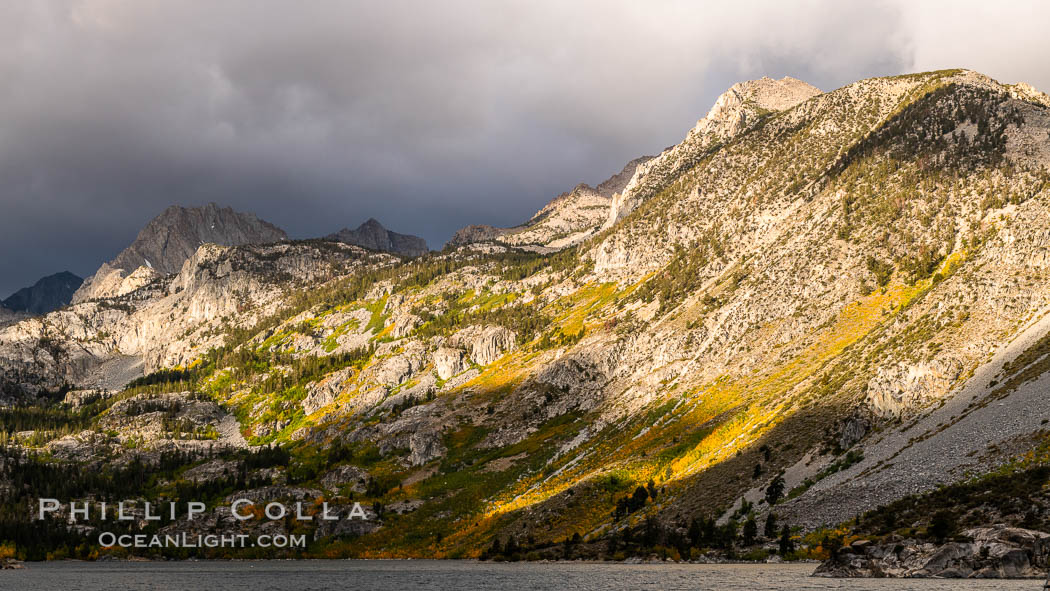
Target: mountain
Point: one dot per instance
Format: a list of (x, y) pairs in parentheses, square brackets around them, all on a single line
[(572, 217), (165, 243), (47, 294), (567, 220), (820, 314), (738, 109), (373, 236)]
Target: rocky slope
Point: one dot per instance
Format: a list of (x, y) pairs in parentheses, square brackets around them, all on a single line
[(840, 297), (47, 294), (167, 322), (168, 240), (373, 236)]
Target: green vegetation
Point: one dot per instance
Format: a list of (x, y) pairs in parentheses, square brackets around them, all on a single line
[(524, 319)]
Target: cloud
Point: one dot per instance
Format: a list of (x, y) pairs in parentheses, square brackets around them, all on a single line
[(426, 115), (1005, 41)]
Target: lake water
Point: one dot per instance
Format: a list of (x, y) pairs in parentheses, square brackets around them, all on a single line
[(427, 575)]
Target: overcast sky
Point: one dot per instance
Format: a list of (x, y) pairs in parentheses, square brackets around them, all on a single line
[(426, 115)]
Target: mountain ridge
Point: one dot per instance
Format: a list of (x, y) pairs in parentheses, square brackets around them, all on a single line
[(47, 294), (167, 240)]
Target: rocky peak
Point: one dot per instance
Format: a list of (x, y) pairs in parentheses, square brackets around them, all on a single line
[(164, 244), (47, 294), (173, 236), (744, 102), (374, 236), (736, 110)]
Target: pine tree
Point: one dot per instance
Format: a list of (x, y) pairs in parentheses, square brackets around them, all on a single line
[(770, 529), (750, 531), (775, 490), (787, 545), (695, 533)]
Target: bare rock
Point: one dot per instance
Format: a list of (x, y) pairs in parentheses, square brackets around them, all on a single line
[(373, 236), (900, 388), (171, 238), (351, 476), (992, 552), (449, 361), (485, 343)]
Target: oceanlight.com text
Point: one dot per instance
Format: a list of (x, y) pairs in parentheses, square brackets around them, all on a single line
[(110, 540)]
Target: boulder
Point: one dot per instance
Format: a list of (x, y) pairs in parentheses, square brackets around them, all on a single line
[(997, 552), (449, 362)]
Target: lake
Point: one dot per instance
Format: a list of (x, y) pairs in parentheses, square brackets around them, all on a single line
[(430, 575)]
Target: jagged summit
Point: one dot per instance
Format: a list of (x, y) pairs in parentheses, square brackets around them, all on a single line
[(47, 294), (164, 244), (374, 236)]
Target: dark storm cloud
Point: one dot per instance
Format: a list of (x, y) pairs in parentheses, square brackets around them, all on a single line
[(426, 115)]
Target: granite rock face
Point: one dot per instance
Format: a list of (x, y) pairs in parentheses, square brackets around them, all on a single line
[(164, 244), (449, 361), (356, 479), (895, 389), (485, 343), (373, 236), (167, 322)]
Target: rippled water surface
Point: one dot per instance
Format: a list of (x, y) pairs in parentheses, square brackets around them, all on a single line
[(445, 576)]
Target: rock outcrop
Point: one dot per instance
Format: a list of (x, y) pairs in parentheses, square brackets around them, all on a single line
[(485, 344), (165, 243), (373, 236), (996, 552), (449, 361), (168, 322), (48, 294), (351, 477), (896, 389)]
